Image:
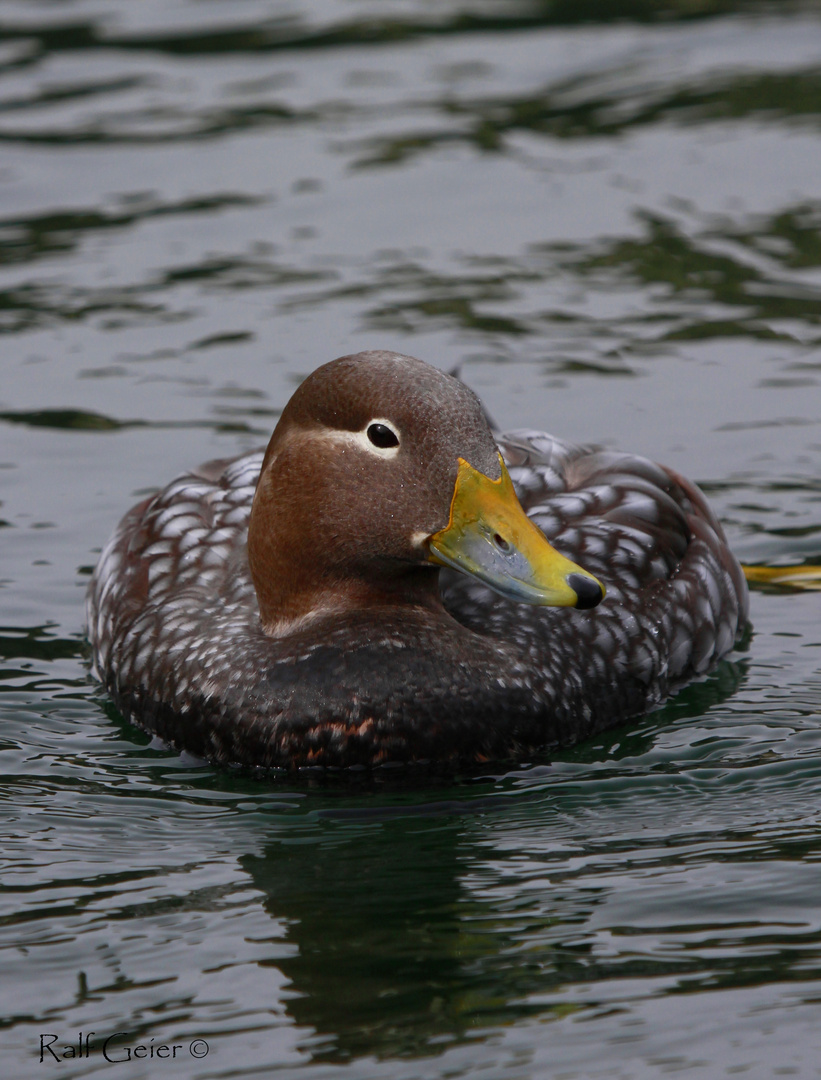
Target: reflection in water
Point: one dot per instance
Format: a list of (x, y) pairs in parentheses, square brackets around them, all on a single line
[(291, 33), (753, 298), (686, 274), (26, 240), (394, 957), (598, 106)]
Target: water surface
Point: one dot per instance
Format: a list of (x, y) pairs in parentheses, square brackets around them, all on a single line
[(607, 216)]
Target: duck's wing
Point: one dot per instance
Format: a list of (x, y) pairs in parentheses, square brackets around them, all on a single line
[(616, 512), (676, 597), (171, 555)]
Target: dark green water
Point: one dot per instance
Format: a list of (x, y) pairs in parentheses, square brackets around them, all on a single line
[(608, 215)]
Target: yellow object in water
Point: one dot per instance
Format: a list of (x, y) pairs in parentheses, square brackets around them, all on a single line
[(798, 577)]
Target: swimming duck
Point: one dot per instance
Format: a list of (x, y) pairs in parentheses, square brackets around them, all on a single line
[(378, 586)]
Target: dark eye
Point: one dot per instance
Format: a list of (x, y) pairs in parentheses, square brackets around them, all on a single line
[(382, 436)]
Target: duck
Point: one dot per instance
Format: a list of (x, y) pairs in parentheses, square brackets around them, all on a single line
[(391, 583)]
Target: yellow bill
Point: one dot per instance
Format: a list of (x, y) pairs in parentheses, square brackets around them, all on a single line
[(490, 537)]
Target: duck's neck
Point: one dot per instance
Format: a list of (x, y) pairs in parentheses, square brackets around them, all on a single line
[(302, 572), (290, 597)]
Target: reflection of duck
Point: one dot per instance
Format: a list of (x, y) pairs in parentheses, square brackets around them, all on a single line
[(324, 640), (412, 953)]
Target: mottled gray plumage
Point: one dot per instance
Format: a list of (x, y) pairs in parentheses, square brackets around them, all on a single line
[(175, 629)]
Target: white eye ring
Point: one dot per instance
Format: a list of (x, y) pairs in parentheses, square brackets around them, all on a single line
[(385, 430), (362, 441)]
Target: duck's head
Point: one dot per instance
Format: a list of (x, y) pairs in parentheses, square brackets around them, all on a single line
[(380, 470)]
